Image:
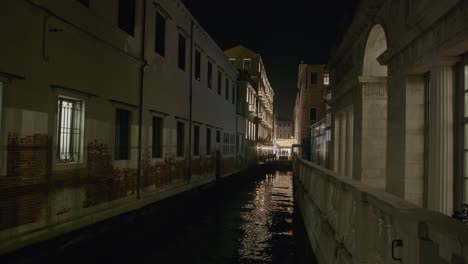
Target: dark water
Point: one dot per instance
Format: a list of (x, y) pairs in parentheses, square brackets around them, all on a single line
[(250, 219)]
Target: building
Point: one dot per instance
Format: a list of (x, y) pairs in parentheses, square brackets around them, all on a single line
[(246, 118), (284, 129), (310, 104), (398, 109), (120, 104), (245, 59), (400, 134)]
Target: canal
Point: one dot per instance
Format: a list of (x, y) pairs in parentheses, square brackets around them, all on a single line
[(247, 219)]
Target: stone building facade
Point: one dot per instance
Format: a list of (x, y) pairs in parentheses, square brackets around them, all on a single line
[(399, 81), (246, 114), (107, 106), (310, 104), (284, 129), (248, 61)]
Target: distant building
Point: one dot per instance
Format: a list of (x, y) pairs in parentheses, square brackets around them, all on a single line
[(246, 119), (284, 129), (310, 104), (246, 60)]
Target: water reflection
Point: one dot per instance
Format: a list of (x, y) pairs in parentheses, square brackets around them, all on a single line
[(248, 219), (269, 218)]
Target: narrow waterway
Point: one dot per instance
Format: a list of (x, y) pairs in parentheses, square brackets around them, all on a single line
[(250, 219)]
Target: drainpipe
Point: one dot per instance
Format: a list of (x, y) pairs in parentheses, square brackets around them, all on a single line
[(142, 83), (190, 105)]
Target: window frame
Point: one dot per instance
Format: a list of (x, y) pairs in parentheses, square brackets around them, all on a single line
[(233, 94), (209, 140), (220, 82), (310, 114), (157, 32), (132, 33), (209, 74), (226, 89), (161, 137), (196, 141), (182, 146), (182, 60), (197, 61), (129, 152), (249, 64), (81, 134), (313, 80)]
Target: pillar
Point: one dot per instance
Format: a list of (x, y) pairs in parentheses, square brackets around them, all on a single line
[(440, 158)]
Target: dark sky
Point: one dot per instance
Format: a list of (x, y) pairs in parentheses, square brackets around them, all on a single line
[(283, 32)]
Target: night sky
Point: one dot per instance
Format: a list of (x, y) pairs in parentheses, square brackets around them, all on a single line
[(284, 33)]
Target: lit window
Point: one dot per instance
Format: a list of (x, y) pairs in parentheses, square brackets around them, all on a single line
[(326, 78), (69, 130)]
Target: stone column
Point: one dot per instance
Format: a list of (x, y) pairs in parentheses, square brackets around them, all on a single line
[(440, 159)]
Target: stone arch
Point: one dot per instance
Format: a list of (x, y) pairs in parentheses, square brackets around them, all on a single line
[(375, 46), (373, 134)]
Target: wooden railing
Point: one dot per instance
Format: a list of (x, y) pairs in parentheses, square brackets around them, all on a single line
[(349, 222)]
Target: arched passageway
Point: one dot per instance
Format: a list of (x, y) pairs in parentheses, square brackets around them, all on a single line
[(361, 129)]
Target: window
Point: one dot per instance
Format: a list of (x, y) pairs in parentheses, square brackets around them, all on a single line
[(69, 130), (218, 136), (313, 114), (313, 78), (220, 82), (182, 52), (157, 137), (160, 35), (226, 95), (196, 140), (208, 141), (233, 97), (238, 146), (210, 75), (246, 64), (197, 65), (180, 139), (84, 2), (326, 78), (232, 60), (122, 135), (126, 16)]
